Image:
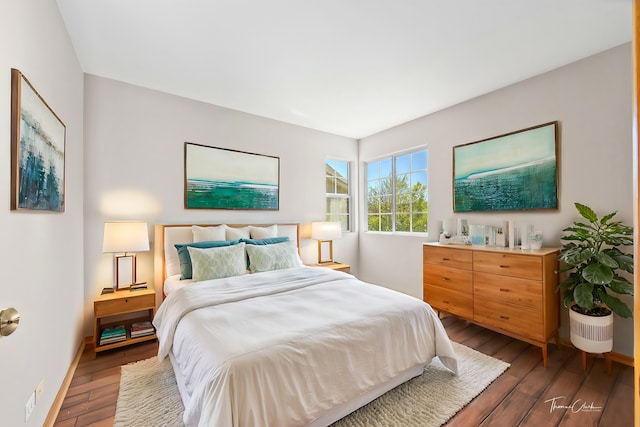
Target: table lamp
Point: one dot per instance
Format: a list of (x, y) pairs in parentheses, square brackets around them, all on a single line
[(325, 233), (125, 238)]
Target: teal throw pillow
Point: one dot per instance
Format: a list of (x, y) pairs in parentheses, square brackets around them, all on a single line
[(267, 241)]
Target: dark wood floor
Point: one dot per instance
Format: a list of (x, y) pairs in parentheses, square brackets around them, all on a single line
[(523, 396)]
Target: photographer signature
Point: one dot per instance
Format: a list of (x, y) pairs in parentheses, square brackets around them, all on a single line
[(578, 405)]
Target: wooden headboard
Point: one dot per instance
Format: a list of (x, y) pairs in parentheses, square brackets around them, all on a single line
[(167, 235)]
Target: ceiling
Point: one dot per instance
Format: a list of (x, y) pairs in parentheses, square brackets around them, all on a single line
[(348, 67)]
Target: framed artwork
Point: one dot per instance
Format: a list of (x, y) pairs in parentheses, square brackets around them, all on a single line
[(220, 178), (516, 171), (37, 150)]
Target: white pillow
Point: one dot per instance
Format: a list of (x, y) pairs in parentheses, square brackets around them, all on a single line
[(263, 232), (207, 234), (273, 257), (237, 233), (216, 263)]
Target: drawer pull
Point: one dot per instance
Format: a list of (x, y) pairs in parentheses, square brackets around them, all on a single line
[(446, 259), (504, 266), (446, 279), (504, 317), (504, 290), (445, 301)]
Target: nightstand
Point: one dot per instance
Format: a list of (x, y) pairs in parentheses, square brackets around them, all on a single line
[(334, 266), (107, 307)]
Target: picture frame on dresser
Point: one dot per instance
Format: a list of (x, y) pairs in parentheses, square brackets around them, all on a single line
[(37, 150), (514, 171)]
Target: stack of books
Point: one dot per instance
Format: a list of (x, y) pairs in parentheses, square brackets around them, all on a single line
[(140, 329), (113, 334)]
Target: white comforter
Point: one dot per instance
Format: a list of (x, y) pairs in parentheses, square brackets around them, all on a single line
[(280, 348)]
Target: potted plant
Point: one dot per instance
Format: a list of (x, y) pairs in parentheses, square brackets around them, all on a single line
[(593, 259)]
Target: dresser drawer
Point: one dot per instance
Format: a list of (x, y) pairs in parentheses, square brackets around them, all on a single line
[(453, 302), (514, 265), (124, 305), (508, 289), (448, 278), (519, 320), (448, 257)]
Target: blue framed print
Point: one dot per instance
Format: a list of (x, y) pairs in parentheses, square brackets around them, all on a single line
[(37, 150)]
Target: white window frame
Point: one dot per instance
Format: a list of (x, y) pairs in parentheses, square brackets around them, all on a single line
[(348, 196), (392, 157)]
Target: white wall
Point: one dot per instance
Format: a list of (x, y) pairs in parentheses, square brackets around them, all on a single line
[(592, 101), (135, 169), (42, 254)]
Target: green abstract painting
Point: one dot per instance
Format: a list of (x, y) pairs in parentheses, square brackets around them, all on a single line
[(219, 178), (516, 171)]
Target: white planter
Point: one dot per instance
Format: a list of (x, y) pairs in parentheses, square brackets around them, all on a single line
[(591, 334)]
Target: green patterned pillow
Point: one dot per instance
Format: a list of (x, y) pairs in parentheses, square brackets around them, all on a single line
[(216, 263), (185, 258), (273, 257)]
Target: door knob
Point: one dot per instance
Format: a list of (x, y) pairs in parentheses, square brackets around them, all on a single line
[(9, 320)]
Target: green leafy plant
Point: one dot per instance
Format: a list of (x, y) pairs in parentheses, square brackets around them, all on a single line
[(593, 258)]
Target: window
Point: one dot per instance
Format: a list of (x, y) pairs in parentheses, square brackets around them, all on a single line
[(338, 193), (397, 198)]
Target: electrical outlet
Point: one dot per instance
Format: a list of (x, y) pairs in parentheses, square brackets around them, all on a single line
[(39, 390), (28, 408)]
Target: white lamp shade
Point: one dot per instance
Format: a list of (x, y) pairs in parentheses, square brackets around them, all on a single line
[(125, 237), (326, 230)]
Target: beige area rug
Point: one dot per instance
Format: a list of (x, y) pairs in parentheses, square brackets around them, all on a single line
[(149, 395)]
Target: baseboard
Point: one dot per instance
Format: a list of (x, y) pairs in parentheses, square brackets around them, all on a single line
[(64, 388), (613, 356)]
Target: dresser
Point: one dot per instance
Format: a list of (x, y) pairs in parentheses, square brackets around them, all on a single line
[(510, 291)]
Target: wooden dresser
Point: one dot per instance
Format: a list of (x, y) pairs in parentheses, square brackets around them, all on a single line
[(510, 291)]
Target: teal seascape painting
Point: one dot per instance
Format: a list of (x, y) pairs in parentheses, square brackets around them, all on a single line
[(218, 178), (37, 150), (517, 171)]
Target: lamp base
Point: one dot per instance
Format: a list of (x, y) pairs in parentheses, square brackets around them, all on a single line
[(125, 271), (325, 244)]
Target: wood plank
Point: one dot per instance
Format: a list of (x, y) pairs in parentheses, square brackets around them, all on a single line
[(617, 412), (494, 345), (511, 410), (519, 397), (537, 380), (585, 409), (479, 408), (561, 392)]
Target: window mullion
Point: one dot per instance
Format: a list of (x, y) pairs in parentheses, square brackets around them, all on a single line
[(393, 194)]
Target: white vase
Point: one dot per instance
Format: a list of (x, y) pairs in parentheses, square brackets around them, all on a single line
[(593, 334)]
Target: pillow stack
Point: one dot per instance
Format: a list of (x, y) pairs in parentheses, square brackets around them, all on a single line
[(224, 251)]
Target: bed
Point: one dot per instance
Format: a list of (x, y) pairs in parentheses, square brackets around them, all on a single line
[(286, 346)]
